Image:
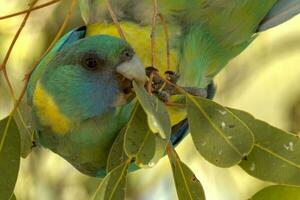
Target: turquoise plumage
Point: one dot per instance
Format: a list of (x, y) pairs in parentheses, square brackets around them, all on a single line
[(76, 94)]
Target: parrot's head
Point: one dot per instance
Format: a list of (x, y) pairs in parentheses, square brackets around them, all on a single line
[(86, 79)]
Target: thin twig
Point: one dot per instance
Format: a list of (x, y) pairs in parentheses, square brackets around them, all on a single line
[(154, 23), (3, 67), (8, 53), (34, 8), (149, 85), (152, 36), (57, 36), (165, 26), (62, 27), (115, 20)]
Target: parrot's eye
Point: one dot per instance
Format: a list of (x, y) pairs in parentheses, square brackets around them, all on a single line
[(91, 61), (127, 54)]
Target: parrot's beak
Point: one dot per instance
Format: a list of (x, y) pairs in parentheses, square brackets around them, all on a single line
[(133, 70)]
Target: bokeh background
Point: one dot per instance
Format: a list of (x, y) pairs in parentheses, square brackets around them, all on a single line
[(263, 80)]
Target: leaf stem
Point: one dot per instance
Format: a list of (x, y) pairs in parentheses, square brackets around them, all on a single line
[(152, 36), (115, 20), (165, 26)]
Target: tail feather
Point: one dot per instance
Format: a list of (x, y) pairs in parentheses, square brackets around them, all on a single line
[(282, 11)]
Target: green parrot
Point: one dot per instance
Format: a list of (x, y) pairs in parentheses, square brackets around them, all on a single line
[(80, 94)]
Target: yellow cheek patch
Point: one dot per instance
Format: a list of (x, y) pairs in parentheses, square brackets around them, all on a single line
[(48, 112)]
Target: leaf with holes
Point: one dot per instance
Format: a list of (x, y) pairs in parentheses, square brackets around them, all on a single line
[(157, 114), (218, 134), (140, 142), (188, 187), (278, 192), (9, 156), (276, 153), (113, 185)]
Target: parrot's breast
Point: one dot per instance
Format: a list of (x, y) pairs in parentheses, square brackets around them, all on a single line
[(48, 112)]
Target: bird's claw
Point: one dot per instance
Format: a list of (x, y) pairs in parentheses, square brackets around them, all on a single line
[(164, 90)]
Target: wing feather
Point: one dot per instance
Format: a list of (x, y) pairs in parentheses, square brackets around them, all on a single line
[(282, 11)]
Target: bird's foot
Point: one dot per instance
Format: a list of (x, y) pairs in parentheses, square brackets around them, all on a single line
[(164, 90)]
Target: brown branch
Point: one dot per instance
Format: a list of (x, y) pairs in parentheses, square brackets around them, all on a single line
[(62, 27), (57, 36), (3, 65), (165, 26), (152, 36), (154, 23), (32, 9), (115, 20), (149, 85)]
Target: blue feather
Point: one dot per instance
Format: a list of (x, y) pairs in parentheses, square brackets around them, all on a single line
[(282, 11)]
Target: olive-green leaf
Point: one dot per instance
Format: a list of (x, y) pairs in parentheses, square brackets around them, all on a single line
[(117, 155), (157, 114), (9, 156), (278, 192), (276, 154), (188, 187), (23, 120), (112, 187), (13, 197), (140, 142), (219, 136)]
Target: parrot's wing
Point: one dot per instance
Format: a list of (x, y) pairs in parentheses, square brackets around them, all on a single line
[(179, 131), (282, 11), (23, 116)]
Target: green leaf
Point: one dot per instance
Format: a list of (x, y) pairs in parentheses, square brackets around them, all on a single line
[(13, 197), (219, 136), (22, 118), (188, 187), (276, 153), (117, 155), (158, 117), (112, 187), (140, 142), (278, 192), (9, 156)]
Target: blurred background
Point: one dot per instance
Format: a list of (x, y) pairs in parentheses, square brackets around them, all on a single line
[(263, 80)]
